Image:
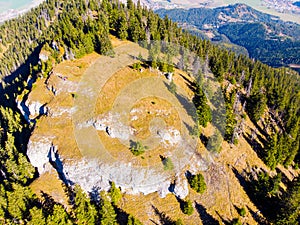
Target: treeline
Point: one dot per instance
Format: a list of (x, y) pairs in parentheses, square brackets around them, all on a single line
[(74, 28)]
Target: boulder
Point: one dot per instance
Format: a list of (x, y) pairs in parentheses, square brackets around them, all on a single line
[(181, 188), (38, 153)]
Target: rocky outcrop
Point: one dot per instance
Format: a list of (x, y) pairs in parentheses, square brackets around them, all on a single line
[(128, 178), (181, 188), (38, 153), (36, 109), (113, 126), (80, 157), (31, 109)]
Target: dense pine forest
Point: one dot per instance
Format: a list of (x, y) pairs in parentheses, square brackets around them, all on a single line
[(72, 29), (272, 41)]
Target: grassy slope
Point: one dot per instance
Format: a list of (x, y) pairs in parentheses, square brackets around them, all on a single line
[(224, 192)]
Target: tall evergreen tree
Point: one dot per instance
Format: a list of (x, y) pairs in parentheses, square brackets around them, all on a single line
[(106, 211), (85, 212)]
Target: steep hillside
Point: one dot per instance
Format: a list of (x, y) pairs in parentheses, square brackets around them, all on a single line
[(266, 38), (112, 115), (81, 158)]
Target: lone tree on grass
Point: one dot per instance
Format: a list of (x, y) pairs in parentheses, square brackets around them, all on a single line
[(188, 208), (137, 148), (197, 182), (167, 162)]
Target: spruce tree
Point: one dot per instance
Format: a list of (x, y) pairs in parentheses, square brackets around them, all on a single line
[(85, 212), (106, 211)]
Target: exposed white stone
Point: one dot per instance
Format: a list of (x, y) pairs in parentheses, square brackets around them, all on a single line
[(23, 109), (114, 127), (169, 137), (43, 57), (59, 111), (197, 163), (91, 174), (38, 152), (181, 189), (164, 189), (35, 109), (31, 109)]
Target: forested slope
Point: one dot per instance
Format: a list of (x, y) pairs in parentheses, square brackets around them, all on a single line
[(71, 29), (266, 37)]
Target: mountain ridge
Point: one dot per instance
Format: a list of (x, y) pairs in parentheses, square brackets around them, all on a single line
[(281, 39)]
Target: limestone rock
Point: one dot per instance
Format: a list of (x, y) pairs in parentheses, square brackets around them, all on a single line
[(181, 189), (36, 109), (114, 127), (38, 152)]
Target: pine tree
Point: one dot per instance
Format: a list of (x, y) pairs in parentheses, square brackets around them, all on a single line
[(197, 182), (188, 208), (133, 221), (203, 109), (106, 211), (122, 26), (271, 151), (59, 216), (85, 212), (3, 201), (290, 207), (36, 217), (18, 201), (115, 193)]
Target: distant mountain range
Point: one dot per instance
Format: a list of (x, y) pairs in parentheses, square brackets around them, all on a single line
[(297, 4), (243, 30)]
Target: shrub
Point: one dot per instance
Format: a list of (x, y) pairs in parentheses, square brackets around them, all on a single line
[(137, 148), (168, 164), (172, 87), (197, 182), (242, 211), (188, 208)]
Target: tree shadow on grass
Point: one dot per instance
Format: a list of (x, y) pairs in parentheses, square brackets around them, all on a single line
[(264, 133), (189, 83), (259, 219), (224, 221), (48, 204), (256, 146), (122, 216), (206, 218), (186, 104), (163, 218), (267, 205)]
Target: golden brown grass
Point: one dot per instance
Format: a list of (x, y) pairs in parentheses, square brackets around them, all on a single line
[(224, 190), (40, 92), (75, 68), (114, 85), (50, 184), (150, 108)]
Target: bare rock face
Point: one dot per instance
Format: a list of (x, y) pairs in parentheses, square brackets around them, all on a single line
[(128, 178), (169, 76), (81, 157), (113, 126), (35, 109), (38, 153), (44, 56), (32, 109), (181, 189), (164, 189)]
